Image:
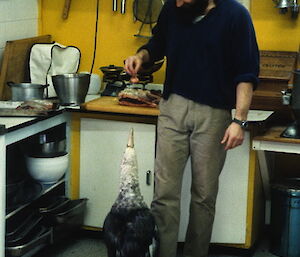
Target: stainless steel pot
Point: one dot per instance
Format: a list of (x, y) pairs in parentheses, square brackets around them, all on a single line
[(49, 149), (26, 91), (72, 88)]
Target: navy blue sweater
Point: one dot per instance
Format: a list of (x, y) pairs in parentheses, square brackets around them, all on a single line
[(206, 60)]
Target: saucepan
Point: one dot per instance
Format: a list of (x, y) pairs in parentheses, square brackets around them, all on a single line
[(26, 91)]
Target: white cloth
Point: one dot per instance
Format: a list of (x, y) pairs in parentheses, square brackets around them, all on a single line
[(47, 60)]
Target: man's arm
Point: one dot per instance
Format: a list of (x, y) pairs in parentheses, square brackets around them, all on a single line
[(244, 92)]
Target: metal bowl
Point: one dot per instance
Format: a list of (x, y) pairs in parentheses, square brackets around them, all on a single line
[(49, 149), (53, 147), (72, 88)]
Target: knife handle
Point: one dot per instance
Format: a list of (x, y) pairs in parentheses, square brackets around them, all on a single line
[(123, 6), (115, 5)]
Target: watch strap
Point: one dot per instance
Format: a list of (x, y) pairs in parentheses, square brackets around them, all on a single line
[(242, 123)]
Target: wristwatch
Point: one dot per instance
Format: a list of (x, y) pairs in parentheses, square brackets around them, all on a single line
[(242, 123)]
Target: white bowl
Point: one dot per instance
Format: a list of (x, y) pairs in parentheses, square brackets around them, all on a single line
[(47, 170)]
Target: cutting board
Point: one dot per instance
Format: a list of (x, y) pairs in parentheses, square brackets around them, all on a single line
[(111, 104), (15, 62)]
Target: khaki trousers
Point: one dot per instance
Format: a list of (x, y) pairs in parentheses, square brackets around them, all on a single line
[(186, 128)]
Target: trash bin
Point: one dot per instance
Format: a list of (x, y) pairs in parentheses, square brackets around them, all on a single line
[(285, 218)]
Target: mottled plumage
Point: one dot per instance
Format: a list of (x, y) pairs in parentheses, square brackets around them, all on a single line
[(129, 227)]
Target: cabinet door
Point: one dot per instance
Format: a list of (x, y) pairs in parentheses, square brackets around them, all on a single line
[(231, 207), (102, 144)]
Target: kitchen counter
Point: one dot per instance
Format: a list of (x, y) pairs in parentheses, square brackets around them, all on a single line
[(8, 124), (273, 135), (102, 110), (15, 128), (104, 104), (111, 105), (271, 141)]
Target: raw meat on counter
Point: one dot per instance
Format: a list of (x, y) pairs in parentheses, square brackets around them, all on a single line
[(37, 105), (139, 97)]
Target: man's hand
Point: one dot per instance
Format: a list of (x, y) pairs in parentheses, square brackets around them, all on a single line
[(132, 66), (233, 137), (134, 63)]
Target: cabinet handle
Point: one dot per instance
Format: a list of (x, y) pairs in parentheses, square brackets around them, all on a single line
[(148, 177)]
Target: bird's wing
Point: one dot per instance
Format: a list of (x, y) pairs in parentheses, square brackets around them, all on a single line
[(139, 233), (129, 233), (114, 227)]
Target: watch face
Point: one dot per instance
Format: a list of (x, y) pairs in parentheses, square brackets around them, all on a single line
[(244, 124)]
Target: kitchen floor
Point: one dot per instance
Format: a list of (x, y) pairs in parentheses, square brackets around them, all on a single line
[(90, 244)]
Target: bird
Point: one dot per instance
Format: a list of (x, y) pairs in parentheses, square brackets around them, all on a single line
[(129, 227)]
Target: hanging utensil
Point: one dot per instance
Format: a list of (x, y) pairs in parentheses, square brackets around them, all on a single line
[(123, 6), (147, 12), (115, 5), (66, 9)]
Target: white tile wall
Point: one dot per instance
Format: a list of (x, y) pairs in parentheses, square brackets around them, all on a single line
[(18, 19)]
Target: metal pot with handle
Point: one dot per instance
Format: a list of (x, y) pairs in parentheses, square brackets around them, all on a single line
[(26, 91)]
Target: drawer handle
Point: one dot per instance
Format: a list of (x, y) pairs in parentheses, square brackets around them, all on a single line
[(148, 177)]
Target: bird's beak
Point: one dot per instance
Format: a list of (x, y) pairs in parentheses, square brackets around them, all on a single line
[(130, 139)]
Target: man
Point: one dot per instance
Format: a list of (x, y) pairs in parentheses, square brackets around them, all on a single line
[(212, 67)]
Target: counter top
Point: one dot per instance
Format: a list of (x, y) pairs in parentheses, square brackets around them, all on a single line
[(8, 124), (273, 135), (271, 141), (111, 104), (104, 104)]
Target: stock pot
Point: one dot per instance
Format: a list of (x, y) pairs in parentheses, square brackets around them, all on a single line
[(26, 91)]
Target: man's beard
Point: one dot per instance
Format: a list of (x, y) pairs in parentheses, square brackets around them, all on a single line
[(189, 11)]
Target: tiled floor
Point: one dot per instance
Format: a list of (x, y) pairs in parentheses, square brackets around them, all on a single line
[(90, 244)]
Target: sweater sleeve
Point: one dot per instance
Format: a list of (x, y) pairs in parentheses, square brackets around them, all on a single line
[(244, 49), (156, 45)]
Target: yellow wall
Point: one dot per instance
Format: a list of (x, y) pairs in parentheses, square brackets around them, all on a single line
[(116, 31), (275, 31)]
